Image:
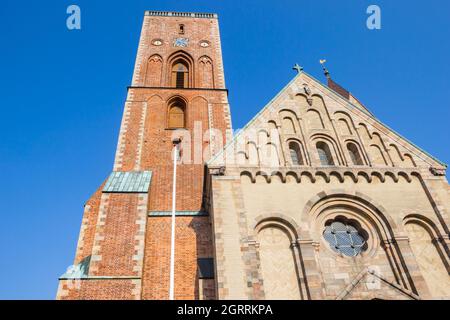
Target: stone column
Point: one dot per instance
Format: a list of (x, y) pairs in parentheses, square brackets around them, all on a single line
[(409, 262), (312, 279)]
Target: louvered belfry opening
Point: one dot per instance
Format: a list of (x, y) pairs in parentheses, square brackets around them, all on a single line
[(180, 74)]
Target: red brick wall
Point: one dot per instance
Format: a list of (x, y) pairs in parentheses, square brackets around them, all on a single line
[(193, 240), (112, 234), (104, 289), (153, 75), (88, 224), (117, 237)]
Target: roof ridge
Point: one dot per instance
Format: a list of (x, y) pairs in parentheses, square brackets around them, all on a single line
[(346, 104)]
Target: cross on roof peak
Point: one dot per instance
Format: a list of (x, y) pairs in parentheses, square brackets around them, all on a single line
[(298, 68)]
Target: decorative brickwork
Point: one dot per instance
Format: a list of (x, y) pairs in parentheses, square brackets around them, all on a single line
[(129, 249)]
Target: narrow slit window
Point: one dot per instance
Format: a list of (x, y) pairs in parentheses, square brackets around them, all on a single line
[(205, 268), (325, 157), (296, 156), (355, 156), (180, 75)]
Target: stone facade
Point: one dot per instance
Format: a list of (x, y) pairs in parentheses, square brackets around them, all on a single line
[(313, 199), (312, 159)]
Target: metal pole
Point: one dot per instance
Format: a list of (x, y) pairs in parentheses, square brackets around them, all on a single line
[(172, 245)]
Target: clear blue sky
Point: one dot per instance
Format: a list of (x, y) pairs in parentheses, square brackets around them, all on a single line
[(62, 94)]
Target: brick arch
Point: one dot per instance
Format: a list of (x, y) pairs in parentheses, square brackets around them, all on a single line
[(366, 132), (365, 175), (352, 176), (298, 146), (248, 175), (378, 175), (347, 120), (338, 175), (294, 175), (198, 97), (344, 114), (377, 155), (302, 101), (409, 158), (272, 124), (279, 220), (332, 144), (262, 137), (319, 104), (181, 103), (372, 209), (322, 174), (180, 55), (314, 120), (359, 149), (405, 176), (288, 112), (154, 69), (308, 174), (263, 174), (428, 223), (175, 97), (205, 72), (397, 154), (391, 175), (279, 175)]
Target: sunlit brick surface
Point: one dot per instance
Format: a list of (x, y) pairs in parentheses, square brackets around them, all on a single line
[(116, 230)]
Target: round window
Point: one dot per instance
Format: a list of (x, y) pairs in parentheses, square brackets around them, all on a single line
[(157, 42), (344, 238)]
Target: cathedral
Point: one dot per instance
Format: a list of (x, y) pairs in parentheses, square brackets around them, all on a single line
[(314, 199)]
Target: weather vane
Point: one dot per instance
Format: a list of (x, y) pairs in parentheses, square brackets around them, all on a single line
[(325, 70)]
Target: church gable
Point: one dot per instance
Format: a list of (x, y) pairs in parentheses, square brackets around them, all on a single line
[(307, 124)]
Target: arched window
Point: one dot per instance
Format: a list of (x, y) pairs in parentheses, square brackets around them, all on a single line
[(176, 114), (180, 74), (296, 155), (354, 154), (325, 157)]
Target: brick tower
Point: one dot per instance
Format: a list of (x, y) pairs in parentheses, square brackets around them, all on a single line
[(178, 90)]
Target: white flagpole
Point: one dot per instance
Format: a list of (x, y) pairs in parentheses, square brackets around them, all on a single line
[(172, 245)]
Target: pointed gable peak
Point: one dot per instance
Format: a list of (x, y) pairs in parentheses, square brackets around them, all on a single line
[(309, 112)]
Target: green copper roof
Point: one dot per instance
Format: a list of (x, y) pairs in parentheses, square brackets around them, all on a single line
[(132, 181), (178, 213), (78, 271)]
